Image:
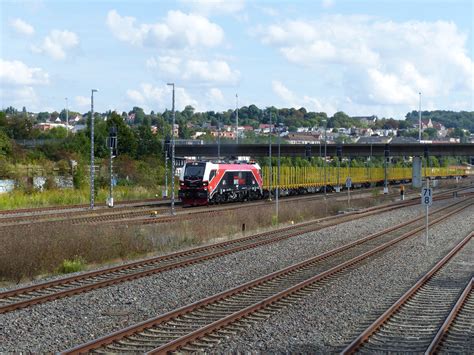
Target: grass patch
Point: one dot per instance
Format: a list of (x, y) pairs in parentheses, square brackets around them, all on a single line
[(64, 197), (74, 265)]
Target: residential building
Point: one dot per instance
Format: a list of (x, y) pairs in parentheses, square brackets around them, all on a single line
[(366, 120), (303, 138)]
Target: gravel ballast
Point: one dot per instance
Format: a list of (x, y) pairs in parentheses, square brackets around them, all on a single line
[(68, 322), (340, 310)]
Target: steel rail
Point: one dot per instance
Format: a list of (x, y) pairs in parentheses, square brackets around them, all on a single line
[(271, 300), (365, 335), (235, 245), (444, 329)]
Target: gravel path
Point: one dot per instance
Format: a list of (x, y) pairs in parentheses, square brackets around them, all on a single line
[(64, 323)]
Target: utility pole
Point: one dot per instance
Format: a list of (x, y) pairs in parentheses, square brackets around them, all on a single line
[(237, 118), (67, 118), (219, 139), (419, 121), (172, 155), (325, 156), (166, 169), (277, 191), (92, 150), (270, 155), (112, 147)]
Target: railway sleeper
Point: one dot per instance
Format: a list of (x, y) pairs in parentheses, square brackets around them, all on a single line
[(258, 317), (401, 346), (222, 306), (238, 327), (214, 335), (131, 340), (126, 349), (152, 337), (189, 348), (165, 329), (177, 323), (201, 318), (207, 340), (193, 323), (213, 312), (226, 332), (401, 338)]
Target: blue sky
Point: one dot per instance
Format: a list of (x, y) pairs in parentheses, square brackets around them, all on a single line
[(360, 57)]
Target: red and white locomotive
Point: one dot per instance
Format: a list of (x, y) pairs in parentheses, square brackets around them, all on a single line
[(203, 183)]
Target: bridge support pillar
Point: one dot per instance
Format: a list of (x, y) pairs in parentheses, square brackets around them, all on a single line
[(416, 177)]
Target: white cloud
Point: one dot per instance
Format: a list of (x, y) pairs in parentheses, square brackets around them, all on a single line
[(177, 30), (214, 71), (165, 64), (22, 27), (18, 73), (310, 103), (210, 7), (19, 97), (56, 44), (378, 62), (153, 96), (215, 96), (82, 101), (284, 93)]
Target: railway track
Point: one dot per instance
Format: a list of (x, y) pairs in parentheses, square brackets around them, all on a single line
[(412, 322), (78, 207), (85, 215), (47, 291), (196, 327), (137, 215), (456, 330), (82, 217)]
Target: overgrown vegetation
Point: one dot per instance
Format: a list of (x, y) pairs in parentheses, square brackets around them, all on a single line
[(23, 198)]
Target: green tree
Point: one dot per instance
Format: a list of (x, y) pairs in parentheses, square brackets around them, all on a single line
[(127, 140), (431, 133), (147, 143), (3, 121), (5, 144), (42, 116)]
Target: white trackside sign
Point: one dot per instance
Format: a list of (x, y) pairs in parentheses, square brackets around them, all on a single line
[(426, 196)]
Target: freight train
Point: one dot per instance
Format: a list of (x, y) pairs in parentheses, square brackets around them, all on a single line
[(203, 183)]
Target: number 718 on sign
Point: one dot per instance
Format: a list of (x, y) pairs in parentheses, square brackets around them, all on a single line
[(426, 196)]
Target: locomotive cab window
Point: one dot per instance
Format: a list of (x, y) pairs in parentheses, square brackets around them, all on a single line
[(212, 174), (195, 170)]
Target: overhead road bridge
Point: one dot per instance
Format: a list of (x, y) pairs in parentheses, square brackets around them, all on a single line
[(348, 150)]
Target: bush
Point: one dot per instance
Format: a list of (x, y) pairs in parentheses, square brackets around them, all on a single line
[(78, 178), (74, 265), (50, 183)]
